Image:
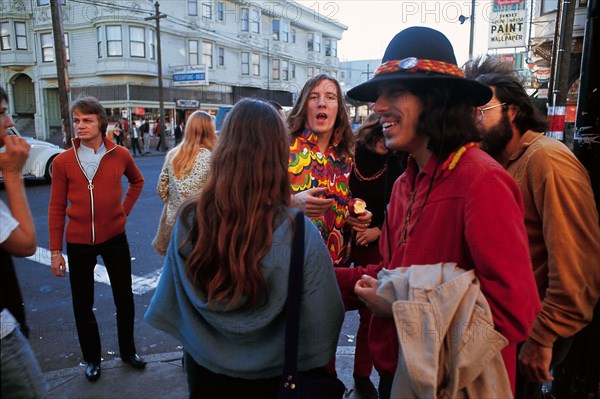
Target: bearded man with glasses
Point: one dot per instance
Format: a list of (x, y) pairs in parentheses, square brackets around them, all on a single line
[(560, 217)]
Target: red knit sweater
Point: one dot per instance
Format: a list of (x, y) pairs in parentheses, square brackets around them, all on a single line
[(96, 212)]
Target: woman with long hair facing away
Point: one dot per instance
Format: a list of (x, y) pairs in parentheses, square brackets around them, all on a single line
[(184, 173), (224, 285)]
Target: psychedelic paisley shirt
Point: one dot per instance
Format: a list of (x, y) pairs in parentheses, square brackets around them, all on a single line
[(309, 168)]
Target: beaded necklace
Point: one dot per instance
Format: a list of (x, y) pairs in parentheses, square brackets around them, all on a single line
[(447, 167), (377, 175)]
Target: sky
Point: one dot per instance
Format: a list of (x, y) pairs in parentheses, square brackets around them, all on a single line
[(372, 24)]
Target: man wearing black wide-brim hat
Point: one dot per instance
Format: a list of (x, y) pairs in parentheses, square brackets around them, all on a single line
[(454, 204)]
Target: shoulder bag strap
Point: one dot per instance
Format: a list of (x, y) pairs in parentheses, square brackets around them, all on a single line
[(292, 317)]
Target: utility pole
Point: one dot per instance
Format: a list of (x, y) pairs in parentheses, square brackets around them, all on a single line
[(161, 119), (472, 29), (368, 72), (62, 73), (561, 54)]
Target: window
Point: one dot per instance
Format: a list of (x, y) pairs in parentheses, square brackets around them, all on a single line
[(207, 54), (137, 44), (47, 47), (245, 63), (47, 43), (293, 32), (220, 7), (310, 72), (193, 52), (47, 2), (275, 69), (151, 44), (281, 30), (310, 42), (293, 71), (549, 6), (4, 36), (255, 64), (255, 21), (206, 10), (285, 66), (221, 55), (21, 35), (317, 42), (245, 14), (285, 28), (330, 47), (66, 37), (276, 29), (192, 7), (99, 39), (114, 41)]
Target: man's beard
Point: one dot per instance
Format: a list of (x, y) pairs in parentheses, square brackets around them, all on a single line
[(495, 139)]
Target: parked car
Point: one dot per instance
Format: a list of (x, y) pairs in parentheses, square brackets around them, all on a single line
[(41, 155)]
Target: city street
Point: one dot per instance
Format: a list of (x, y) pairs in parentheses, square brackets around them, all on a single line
[(48, 300)]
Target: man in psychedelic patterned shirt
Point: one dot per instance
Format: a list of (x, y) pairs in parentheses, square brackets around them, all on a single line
[(321, 162)]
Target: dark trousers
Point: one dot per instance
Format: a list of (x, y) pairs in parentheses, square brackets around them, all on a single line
[(526, 389), (135, 143), (117, 260), (363, 364), (203, 383)]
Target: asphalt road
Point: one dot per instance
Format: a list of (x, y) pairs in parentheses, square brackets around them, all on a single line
[(48, 298)]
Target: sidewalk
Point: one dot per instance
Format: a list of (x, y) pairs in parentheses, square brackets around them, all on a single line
[(163, 377)]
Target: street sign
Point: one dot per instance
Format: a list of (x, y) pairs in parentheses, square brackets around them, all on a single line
[(190, 75)]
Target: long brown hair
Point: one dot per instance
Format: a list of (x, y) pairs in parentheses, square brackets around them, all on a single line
[(199, 133), (235, 213), (297, 116)]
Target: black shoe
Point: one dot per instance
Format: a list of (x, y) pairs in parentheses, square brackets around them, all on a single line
[(92, 371), (135, 360), (365, 387)]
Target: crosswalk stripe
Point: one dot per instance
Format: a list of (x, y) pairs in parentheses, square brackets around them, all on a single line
[(139, 284)]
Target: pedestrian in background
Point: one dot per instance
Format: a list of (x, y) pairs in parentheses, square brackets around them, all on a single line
[(145, 133), (179, 132), (455, 206), (224, 285), (374, 172), (117, 133), (184, 173), (157, 133), (560, 216), (21, 375), (86, 182), (135, 135)]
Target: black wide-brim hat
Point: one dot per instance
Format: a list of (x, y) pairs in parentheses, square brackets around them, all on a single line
[(425, 56)]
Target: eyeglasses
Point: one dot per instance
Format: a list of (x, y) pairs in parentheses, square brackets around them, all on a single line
[(482, 110)]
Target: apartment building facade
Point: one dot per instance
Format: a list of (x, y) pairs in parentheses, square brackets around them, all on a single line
[(212, 53)]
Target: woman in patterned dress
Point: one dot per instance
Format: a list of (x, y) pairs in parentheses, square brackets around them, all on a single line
[(184, 172)]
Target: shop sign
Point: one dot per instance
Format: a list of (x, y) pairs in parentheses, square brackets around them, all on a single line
[(190, 75), (185, 103), (508, 25)]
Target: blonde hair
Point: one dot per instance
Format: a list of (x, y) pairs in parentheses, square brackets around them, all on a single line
[(199, 133)]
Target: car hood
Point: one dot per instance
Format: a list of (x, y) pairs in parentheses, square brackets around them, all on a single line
[(39, 143)]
